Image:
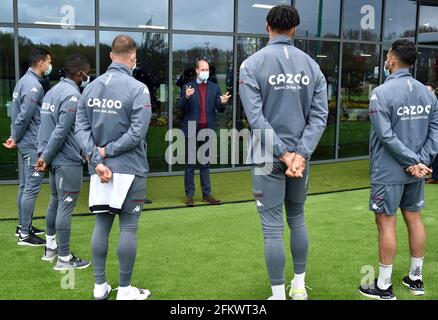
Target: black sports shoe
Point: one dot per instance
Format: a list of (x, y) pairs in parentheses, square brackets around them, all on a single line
[(17, 231), (30, 240), (374, 292), (36, 231), (416, 287)]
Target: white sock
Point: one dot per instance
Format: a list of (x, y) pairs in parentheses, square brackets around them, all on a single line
[(416, 268), (65, 258), (279, 292), (385, 273), (298, 281), (124, 290), (51, 242)]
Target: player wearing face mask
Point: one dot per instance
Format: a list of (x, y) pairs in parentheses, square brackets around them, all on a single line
[(25, 122)]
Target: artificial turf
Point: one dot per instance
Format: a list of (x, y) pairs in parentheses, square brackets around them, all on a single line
[(217, 253), (229, 187)]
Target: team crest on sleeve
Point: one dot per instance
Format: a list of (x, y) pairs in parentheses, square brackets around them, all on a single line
[(145, 90)]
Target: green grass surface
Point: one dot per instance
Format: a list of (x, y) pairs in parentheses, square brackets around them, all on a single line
[(217, 253), (229, 186)]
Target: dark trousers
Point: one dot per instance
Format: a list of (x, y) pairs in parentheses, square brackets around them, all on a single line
[(189, 174), (435, 169)]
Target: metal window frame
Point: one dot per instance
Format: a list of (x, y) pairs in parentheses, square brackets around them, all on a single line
[(15, 25)]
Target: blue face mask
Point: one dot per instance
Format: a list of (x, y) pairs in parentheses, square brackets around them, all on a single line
[(386, 70), (49, 70), (203, 76)]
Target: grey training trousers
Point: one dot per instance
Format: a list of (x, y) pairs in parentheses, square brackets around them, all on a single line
[(271, 190)]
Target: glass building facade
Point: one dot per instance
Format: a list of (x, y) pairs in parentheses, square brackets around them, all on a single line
[(348, 38)]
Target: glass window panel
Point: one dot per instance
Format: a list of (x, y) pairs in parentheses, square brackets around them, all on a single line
[(205, 15), (246, 46), (362, 19), (400, 18), (252, 14), (148, 14), (326, 54), (218, 51), (54, 12), (6, 11), (427, 65), (8, 158), (319, 18), (60, 44), (152, 70), (428, 24), (360, 75)]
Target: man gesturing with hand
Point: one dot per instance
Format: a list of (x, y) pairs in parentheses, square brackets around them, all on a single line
[(404, 141), (284, 94)]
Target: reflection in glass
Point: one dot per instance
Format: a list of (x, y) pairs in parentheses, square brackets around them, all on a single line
[(218, 52), (152, 70), (252, 14), (60, 44), (427, 65), (326, 54), (6, 11), (8, 159), (360, 75), (205, 15), (54, 12), (319, 18), (400, 17), (428, 24), (362, 19), (148, 14)]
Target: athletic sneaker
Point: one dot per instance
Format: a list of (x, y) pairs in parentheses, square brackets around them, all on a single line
[(36, 231), (101, 291), (73, 263), (132, 293), (297, 294), (416, 287), (374, 292), (31, 240), (49, 254), (32, 230)]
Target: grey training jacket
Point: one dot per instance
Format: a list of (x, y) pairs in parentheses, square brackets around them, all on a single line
[(282, 88), (404, 128), (25, 110), (114, 112), (57, 142)]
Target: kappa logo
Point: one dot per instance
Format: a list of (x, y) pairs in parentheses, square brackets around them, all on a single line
[(74, 99), (375, 206), (35, 174), (146, 90), (68, 199), (137, 209), (420, 204), (373, 97), (259, 204), (34, 90), (15, 95)]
